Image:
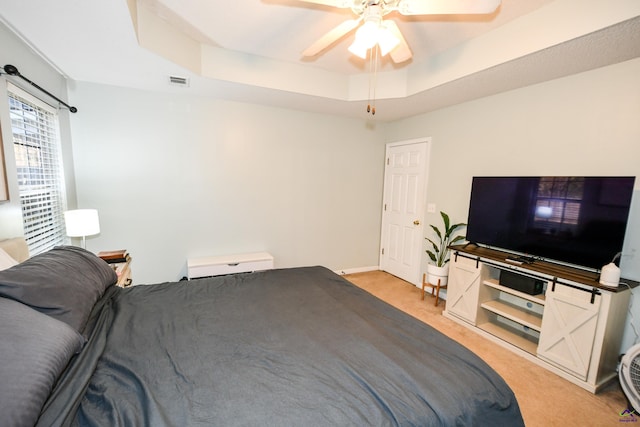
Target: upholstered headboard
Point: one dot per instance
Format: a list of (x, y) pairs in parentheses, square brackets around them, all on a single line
[(16, 247)]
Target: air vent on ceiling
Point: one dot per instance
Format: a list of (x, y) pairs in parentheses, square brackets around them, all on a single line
[(178, 81)]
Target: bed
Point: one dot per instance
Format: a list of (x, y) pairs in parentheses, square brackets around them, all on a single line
[(299, 346)]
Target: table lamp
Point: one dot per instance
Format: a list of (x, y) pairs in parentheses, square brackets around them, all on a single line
[(82, 223)]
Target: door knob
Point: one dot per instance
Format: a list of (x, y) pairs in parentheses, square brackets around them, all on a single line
[(416, 222)]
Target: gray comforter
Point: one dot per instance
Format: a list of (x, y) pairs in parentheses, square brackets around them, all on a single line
[(290, 347)]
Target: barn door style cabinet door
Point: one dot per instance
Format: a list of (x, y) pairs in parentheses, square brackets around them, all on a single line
[(465, 277), (573, 328), (569, 328)]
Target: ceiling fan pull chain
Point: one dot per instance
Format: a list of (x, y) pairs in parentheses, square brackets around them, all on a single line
[(376, 59), (370, 66)]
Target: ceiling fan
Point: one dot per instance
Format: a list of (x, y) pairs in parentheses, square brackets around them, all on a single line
[(385, 34)]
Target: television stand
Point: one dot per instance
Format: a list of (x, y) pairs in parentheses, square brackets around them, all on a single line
[(574, 328)]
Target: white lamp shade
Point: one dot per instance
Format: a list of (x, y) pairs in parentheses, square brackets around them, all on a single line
[(359, 49), (82, 222), (387, 40), (367, 34)]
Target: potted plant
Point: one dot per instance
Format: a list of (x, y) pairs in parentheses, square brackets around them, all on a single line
[(439, 251)]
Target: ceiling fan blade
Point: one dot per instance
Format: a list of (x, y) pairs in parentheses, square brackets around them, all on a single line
[(402, 52), (447, 7), (333, 3), (331, 37)]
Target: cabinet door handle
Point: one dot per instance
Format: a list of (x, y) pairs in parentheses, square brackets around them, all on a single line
[(416, 222)]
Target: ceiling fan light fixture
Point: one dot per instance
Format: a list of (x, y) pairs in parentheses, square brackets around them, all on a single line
[(387, 40), (367, 34), (366, 38), (373, 32)]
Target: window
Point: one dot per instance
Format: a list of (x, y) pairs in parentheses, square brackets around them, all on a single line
[(36, 143), (559, 200)]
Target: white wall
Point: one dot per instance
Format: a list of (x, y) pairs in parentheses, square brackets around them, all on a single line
[(181, 176), (586, 124)]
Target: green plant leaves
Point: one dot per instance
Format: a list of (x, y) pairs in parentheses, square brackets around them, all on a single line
[(440, 252)]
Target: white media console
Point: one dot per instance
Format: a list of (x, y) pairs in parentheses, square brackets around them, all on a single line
[(574, 328)]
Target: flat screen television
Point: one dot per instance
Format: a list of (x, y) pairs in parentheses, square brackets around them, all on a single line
[(572, 220)]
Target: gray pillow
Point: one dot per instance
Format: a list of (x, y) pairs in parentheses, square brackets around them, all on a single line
[(63, 283), (35, 350)]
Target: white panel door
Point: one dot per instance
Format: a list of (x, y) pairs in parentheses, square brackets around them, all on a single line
[(569, 328), (403, 210)]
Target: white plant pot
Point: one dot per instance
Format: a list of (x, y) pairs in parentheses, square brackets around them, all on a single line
[(434, 273)]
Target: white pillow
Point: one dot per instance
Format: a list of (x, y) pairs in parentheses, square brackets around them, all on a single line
[(6, 261)]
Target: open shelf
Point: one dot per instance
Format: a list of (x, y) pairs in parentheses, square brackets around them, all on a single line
[(511, 315), (536, 299), (515, 313), (506, 333)]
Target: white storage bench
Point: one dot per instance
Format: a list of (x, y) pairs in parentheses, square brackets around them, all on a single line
[(228, 264)]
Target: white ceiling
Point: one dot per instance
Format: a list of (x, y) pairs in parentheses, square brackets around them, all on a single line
[(250, 50)]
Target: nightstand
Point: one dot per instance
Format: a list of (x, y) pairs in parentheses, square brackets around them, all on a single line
[(120, 261), (123, 270)]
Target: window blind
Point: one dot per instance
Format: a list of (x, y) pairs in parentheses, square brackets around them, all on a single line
[(36, 144)]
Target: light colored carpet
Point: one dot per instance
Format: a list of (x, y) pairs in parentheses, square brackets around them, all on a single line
[(545, 399)]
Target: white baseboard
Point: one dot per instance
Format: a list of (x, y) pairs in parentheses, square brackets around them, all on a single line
[(357, 270)]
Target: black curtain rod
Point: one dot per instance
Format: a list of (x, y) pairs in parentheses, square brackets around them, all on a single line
[(13, 71)]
